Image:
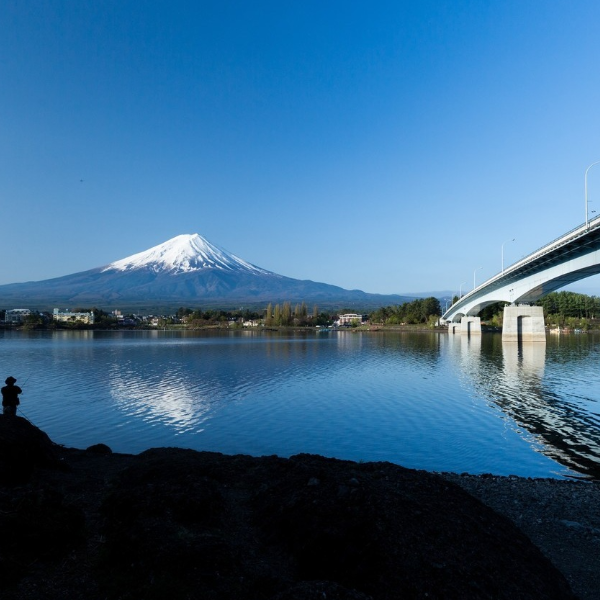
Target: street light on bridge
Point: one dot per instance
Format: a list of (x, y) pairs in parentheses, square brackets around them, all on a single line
[(475, 271), (585, 186), (503, 252), (460, 289)]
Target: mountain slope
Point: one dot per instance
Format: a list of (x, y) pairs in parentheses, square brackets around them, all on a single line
[(182, 271), (185, 254)]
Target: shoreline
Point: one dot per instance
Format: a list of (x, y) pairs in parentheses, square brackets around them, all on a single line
[(365, 328)]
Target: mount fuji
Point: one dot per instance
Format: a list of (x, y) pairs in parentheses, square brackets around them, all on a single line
[(186, 270)]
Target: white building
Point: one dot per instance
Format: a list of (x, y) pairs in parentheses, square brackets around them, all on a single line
[(16, 315), (82, 317), (348, 318)]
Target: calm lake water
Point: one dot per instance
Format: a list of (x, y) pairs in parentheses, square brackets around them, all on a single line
[(422, 400)]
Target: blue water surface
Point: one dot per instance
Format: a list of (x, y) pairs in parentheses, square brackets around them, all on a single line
[(422, 400)]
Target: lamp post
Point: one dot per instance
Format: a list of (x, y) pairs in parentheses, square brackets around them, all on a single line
[(460, 289), (503, 252), (475, 271), (585, 186)]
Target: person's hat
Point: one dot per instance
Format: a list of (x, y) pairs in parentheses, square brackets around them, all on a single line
[(10, 380)]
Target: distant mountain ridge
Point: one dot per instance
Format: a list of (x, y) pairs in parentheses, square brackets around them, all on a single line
[(186, 270)]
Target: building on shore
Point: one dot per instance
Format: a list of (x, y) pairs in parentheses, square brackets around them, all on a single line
[(68, 316), (16, 315), (348, 319)]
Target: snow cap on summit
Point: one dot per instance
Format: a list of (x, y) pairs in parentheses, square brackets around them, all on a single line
[(183, 254)]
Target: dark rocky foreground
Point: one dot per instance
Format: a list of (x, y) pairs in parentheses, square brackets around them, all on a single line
[(172, 523)]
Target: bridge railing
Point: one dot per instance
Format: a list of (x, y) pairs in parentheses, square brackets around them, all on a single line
[(582, 227), (556, 243)]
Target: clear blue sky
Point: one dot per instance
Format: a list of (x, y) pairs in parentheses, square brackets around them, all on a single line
[(388, 146)]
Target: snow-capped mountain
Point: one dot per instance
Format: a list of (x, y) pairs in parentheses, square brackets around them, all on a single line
[(184, 254), (185, 271)]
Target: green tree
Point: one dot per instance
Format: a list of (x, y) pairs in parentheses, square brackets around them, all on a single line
[(183, 312), (33, 321), (492, 311), (303, 310), (269, 315), (570, 304), (322, 320), (432, 321), (286, 314), (417, 311)]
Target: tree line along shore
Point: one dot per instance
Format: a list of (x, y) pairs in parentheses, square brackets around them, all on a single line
[(562, 310)]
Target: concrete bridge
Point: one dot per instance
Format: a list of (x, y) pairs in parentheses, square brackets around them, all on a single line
[(573, 256)]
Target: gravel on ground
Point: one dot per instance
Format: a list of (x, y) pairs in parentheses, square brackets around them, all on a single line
[(561, 517)]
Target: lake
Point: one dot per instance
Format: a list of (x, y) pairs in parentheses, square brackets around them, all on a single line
[(422, 400)]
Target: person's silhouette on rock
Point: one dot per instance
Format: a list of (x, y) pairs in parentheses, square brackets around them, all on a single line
[(10, 397)]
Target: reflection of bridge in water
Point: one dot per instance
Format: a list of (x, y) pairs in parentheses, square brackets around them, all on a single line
[(573, 256), (566, 433)]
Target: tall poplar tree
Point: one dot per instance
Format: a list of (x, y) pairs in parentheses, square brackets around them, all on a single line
[(286, 313), (269, 315), (277, 315)]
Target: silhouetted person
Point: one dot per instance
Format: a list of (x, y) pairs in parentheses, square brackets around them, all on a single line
[(10, 397)]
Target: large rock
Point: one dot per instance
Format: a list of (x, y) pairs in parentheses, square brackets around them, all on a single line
[(23, 447), (181, 524), (209, 526)]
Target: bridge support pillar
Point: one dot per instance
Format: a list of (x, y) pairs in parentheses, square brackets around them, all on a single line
[(523, 324), (470, 325), (453, 327)]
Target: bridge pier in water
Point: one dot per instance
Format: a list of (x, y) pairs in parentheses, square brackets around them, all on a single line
[(523, 324), (470, 325)]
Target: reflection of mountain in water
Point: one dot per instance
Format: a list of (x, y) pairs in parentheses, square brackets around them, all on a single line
[(183, 382), (512, 376), (162, 399), (188, 379)]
